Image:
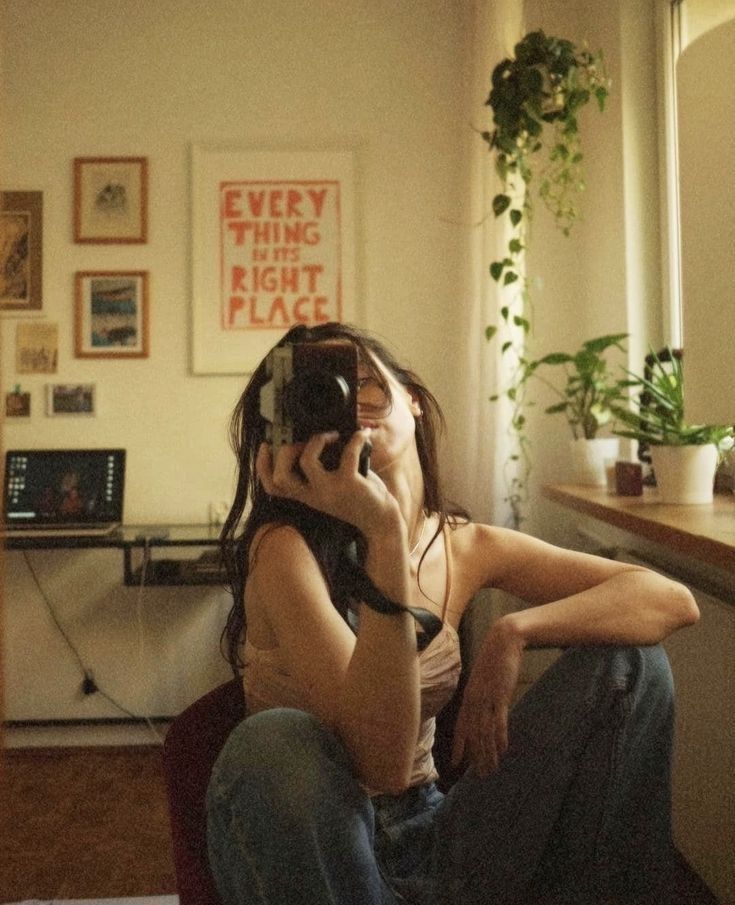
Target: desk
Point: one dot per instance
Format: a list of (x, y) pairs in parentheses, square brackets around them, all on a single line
[(142, 538), (703, 532)]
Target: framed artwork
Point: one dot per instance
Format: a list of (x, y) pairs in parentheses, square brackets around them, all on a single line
[(17, 404), (111, 314), (272, 246), (21, 249), (111, 199), (36, 347), (71, 399)]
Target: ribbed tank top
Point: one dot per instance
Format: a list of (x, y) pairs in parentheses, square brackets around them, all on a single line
[(268, 683)]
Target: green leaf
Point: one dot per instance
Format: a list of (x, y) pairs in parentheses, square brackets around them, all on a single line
[(490, 332), (515, 246), (504, 312), (555, 358), (500, 204), (496, 269), (516, 216), (510, 277)]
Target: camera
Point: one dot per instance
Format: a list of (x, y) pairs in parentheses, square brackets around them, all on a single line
[(312, 388)]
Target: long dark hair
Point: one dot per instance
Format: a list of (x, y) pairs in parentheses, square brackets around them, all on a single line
[(327, 538)]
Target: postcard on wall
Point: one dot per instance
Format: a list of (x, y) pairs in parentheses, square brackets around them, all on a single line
[(272, 247), (36, 347), (110, 199), (71, 399), (111, 319), (18, 404), (21, 242)]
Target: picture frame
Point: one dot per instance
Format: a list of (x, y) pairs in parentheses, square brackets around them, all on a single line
[(71, 399), (21, 252), (273, 245), (18, 404), (111, 314), (111, 200)]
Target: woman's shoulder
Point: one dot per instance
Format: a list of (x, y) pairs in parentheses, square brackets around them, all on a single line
[(480, 552), (468, 535), (278, 539)]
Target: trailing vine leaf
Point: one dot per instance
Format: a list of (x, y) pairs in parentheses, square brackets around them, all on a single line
[(535, 98)]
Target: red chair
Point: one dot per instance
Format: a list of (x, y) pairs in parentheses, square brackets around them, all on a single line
[(192, 744)]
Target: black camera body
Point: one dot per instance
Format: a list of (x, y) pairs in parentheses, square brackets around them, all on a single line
[(312, 388)]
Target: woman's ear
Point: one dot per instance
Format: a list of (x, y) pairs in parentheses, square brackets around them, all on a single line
[(414, 403)]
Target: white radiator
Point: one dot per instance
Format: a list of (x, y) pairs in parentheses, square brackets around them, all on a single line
[(703, 662)]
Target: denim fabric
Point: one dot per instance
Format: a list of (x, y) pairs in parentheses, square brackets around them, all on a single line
[(578, 812)]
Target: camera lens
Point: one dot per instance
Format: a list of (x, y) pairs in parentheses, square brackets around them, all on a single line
[(317, 401)]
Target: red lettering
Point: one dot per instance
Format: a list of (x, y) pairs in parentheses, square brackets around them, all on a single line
[(238, 280), (254, 319), (232, 196), (317, 199), (293, 203), (298, 309), (278, 307), (238, 228), (255, 202), (312, 271), (280, 311), (320, 316), (275, 199), (237, 303)]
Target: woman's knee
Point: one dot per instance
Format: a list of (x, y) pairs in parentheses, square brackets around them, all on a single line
[(281, 755)]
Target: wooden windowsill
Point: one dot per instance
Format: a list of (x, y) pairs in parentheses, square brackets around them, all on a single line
[(706, 532)]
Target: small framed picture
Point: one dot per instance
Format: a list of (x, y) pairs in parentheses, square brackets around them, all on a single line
[(21, 238), (71, 399), (111, 314), (111, 200), (17, 404)]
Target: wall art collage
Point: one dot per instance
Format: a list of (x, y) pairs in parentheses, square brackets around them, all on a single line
[(110, 206)]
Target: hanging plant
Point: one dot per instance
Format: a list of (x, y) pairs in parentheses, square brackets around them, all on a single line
[(536, 97)]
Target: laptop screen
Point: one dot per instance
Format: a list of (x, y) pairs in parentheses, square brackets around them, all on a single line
[(48, 487)]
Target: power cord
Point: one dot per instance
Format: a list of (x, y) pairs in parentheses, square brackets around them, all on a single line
[(89, 685)]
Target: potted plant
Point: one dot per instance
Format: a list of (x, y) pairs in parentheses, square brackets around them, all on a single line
[(588, 396), (684, 456), (536, 97)]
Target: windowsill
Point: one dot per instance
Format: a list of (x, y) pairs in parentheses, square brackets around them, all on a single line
[(705, 533)]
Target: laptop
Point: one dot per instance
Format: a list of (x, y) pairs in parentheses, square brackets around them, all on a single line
[(63, 492)]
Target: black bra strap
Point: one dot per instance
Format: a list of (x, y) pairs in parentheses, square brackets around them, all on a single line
[(363, 590)]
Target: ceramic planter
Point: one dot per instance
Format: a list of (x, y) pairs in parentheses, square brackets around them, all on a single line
[(684, 474), (588, 459)]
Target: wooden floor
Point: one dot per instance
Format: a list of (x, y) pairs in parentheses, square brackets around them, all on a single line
[(81, 823)]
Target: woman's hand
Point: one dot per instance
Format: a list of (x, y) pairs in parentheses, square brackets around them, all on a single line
[(481, 732), (343, 493)]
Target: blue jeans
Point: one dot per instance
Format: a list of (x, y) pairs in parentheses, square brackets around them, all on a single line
[(578, 812)]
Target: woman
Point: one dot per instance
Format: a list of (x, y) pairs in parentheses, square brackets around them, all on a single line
[(326, 792)]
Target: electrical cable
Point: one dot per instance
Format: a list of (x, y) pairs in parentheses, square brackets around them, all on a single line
[(88, 682)]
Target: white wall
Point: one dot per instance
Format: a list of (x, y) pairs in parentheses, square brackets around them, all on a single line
[(96, 78), (88, 78)]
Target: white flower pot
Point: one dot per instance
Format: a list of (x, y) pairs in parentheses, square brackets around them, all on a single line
[(684, 474), (588, 459)]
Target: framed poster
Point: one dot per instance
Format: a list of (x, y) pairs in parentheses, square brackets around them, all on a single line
[(272, 246), (111, 200), (111, 315), (21, 241)]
